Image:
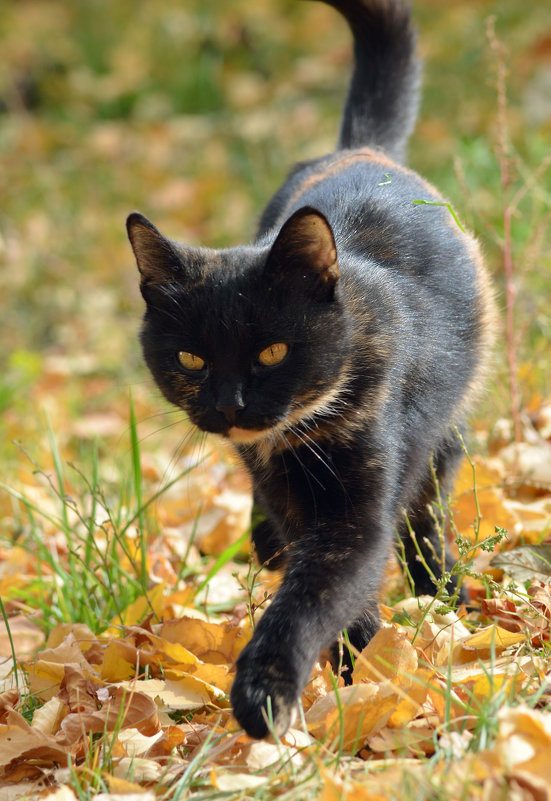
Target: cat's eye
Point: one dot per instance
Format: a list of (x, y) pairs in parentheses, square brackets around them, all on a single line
[(190, 361), (273, 354)]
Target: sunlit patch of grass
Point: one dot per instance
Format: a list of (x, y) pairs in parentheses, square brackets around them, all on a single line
[(92, 561)]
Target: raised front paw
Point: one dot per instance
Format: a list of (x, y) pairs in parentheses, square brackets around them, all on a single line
[(263, 695)]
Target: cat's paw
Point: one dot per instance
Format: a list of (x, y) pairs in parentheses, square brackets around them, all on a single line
[(264, 697)]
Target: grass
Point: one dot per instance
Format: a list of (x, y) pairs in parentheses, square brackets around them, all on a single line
[(193, 113)]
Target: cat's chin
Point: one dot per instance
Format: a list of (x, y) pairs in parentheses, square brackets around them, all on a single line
[(245, 436)]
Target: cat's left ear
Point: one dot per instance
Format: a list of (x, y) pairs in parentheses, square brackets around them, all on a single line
[(157, 258), (304, 254)]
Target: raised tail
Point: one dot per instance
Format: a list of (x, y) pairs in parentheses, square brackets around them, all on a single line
[(383, 98)]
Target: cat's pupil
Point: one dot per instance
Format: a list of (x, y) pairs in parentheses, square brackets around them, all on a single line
[(273, 354)]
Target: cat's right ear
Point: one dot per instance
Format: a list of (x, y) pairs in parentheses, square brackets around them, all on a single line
[(157, 258), (304, 255)]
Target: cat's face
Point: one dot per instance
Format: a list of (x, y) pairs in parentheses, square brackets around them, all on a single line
[(247, 341)]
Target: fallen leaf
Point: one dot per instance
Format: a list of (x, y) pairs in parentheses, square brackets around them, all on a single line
[(220, 643), (26, 636), (525, 563), (124, 708), (365, 708), (493, 638), (388, 655), (19, 741)]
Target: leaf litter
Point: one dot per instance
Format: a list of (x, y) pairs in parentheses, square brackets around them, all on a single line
[(143, 705)]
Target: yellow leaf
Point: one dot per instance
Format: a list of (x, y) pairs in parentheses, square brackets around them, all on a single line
[(123, 787), (173, 650), (45, 678), (219, 643), (388, 655), (80, 632), (115, 667), (493, 637), (365, 709), (142, 607), (412, 699)]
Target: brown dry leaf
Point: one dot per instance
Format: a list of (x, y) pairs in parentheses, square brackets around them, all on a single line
[(412, 699), (534, 516), (389, 655), (135, 743), (492, 505), (77, 691), (49, 669), (417, 737), (27, 637), (68, 651), (366, 708), (8, 700), (122, 707), (80, 632), (484, 679), (540, 595), (19, 741), (504, 612), (523, 747)]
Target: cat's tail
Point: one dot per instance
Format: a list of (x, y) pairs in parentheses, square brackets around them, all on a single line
[(383, 98)]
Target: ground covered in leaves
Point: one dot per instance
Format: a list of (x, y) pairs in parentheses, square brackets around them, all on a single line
[(126, 584)]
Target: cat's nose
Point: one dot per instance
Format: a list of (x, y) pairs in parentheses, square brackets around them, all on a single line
[(230, 402), (230, 412)]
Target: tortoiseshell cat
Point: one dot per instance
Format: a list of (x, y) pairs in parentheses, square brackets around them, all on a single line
[(337, 353)]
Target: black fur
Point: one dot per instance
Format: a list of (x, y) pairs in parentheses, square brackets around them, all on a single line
[(385, 310)]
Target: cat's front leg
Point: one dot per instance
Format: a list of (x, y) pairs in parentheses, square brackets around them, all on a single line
[(333, 576)]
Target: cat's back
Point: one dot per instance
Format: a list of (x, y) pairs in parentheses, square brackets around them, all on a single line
[(381, 212)]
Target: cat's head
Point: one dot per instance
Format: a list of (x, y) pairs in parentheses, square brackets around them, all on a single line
[(248, 340)]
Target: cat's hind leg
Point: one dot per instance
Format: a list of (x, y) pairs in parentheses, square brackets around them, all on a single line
[(358, 634), (423, 529)]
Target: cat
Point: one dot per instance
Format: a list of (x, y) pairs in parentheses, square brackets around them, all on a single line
[(339, 353)]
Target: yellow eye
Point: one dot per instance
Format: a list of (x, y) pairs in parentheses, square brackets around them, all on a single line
[(273, 354), (190, 361)]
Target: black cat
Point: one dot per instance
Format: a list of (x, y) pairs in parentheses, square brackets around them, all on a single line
[(338, 353)]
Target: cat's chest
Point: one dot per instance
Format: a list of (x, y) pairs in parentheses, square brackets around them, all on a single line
[(299, 481)]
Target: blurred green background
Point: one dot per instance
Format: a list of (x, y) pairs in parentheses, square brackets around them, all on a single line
[(192, 112)]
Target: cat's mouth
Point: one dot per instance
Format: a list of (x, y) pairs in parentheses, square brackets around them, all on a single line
[(247, 435)]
